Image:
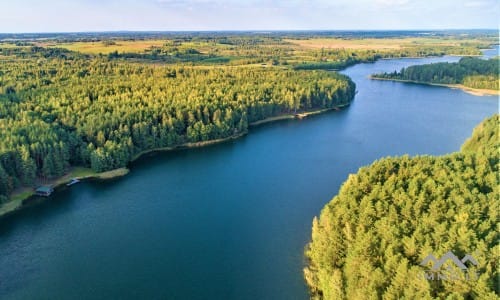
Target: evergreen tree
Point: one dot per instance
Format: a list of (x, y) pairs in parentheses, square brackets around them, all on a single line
[(370, 239)]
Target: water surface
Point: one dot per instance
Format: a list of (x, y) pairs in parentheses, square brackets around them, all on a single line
[(228, 221)]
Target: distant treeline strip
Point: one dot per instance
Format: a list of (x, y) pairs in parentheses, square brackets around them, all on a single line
[(345, 58)]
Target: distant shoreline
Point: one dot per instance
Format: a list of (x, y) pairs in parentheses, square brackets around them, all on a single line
[(22, 195), (472, 91)]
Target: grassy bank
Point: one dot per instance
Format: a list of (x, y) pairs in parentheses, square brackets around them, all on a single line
[(475, 92), (19, 196)]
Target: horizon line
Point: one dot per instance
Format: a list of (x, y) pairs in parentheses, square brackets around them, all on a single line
[(253, 30)]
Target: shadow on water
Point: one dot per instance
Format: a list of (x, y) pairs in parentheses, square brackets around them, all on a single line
[(155, 158), (36, 208)]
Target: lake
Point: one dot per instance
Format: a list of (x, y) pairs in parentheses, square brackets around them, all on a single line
[(229, 221)]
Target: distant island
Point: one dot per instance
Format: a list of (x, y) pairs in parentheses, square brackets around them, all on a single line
[(371, 238), (471, 74)]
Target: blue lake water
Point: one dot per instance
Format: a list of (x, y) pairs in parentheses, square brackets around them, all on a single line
[(229, 221)]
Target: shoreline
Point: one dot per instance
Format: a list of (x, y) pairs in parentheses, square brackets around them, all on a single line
[(469, 90), (434, 56), (299, 115), (22, 195), (187, 146)]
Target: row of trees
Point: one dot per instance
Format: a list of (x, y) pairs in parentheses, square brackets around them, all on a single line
[(326, 59), (56, 113), (469, 71), (370, 239)]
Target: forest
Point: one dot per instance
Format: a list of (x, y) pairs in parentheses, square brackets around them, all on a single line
[(470, 71), (60, 112), (370, 239)]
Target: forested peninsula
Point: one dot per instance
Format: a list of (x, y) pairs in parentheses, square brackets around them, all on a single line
[(469, 73), (100, 113), (369, 241)]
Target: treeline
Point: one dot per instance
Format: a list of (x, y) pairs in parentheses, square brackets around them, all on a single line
[(370, 239), (489, 82), (56, 113), (469, 71), (336, 59), (30, 52), (337, 65), (157, 54)]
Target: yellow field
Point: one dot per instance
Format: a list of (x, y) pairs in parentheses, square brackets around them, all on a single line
[(100, 47), (377, 44)]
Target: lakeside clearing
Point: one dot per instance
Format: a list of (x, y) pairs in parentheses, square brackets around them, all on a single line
[(472, 91), (19, 196)]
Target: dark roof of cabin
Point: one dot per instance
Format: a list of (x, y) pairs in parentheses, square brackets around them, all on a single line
[(44, 189)]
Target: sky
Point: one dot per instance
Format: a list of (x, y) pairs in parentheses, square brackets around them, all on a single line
[(206, 15)]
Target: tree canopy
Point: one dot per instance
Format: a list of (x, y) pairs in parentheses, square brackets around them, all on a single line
[(59, 109), (470, 71), (370, 239)]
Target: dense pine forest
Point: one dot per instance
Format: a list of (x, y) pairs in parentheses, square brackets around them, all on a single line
[(370, 239), (56, 113), (470, 71)]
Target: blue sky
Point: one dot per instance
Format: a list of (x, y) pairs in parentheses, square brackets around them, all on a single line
[(110, 15)]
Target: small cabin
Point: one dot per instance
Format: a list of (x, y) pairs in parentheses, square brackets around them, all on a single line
[(44, 191)]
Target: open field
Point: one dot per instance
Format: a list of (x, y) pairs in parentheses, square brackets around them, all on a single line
[(379, 43), (100, 47), (136, 46)]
